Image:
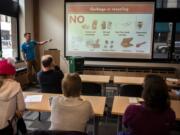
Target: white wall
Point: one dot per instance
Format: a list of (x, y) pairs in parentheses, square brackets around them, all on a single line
[(29, 17), (51, 25), (26, 18), (22, 19)]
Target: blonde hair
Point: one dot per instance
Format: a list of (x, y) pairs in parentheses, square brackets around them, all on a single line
[(71, 85)]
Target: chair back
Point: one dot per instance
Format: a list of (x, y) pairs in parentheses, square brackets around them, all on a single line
[(131, 90), (91, 89)]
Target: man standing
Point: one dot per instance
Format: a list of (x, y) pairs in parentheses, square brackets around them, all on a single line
[(28, 50)]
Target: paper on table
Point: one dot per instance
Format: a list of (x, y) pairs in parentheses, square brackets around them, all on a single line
[(33, 98), (133, 100), (140, 100), (172, 79)]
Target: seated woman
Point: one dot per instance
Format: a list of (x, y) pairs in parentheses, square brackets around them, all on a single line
[(154, 116), (70, 112), (11, 98), (50, 76)]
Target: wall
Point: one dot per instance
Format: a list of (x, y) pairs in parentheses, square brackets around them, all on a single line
[(26, 22), (21, 19), (51, 25), (26, 19)]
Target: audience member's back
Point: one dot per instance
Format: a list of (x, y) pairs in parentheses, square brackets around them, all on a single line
[(142, 121), (11, 98), (70, 112), (50, 81), (50, 78), (154, 116)]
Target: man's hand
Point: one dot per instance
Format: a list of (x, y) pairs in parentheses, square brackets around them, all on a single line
[(44, 42), (24, 57), (25, 62)]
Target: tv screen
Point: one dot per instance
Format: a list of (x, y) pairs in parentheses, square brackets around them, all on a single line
[(109, 29)]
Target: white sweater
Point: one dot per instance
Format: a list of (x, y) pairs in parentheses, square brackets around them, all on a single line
[(11, 100), (70, 114)]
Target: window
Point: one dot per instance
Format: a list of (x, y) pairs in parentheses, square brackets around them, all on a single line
[(9, 10), (168, 3), (176, 53), (8, 29), (162, 40), (159, 3)]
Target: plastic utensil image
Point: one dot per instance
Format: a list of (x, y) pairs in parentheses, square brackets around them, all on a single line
[(140, 44)]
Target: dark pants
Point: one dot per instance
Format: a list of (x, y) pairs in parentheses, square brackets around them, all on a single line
[(7, 131), (30, 66)]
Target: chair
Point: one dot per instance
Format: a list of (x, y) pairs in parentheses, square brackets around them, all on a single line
[(131, 90), (91, 89), (52, 132)]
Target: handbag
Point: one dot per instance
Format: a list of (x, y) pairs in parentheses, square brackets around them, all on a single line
[(21, 126), (7, 130)]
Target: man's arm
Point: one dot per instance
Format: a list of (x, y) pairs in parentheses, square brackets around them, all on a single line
[(44, 42), (24, 57)]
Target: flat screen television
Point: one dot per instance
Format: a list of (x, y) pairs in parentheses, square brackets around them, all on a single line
[(109, 29)]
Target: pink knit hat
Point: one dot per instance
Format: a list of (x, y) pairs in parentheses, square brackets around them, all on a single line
[(6, 68)]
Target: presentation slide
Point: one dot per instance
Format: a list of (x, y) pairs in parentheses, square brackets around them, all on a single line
[(110, 30)]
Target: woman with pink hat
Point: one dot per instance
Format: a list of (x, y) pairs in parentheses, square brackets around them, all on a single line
[(11, 98)]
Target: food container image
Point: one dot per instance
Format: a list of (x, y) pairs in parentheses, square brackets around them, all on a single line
[(103, 25), (94, 24), (109, 25), (126, 42), (106, 44)]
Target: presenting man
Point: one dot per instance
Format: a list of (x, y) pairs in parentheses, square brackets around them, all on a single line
[(28, 50)]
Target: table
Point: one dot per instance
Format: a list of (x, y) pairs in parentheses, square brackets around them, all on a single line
[(128, 80), (119, 80), (120, 104), (98, 104), (174, 83), (95, 78), (140, 80), (100, 79)]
